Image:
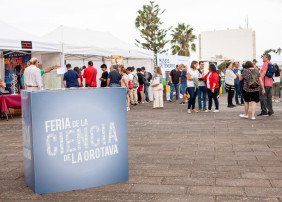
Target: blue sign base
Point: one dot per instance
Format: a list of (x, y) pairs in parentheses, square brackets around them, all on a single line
[(74, 138)]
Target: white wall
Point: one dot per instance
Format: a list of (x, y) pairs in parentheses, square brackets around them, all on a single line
[(231, 44), (51, 79)]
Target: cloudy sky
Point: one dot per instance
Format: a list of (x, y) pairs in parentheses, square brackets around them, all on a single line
[(117, 16)]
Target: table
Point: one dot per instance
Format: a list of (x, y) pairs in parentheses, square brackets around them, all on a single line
[(9, 101)]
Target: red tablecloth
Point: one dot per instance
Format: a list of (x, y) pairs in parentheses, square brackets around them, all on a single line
[(10, 101)]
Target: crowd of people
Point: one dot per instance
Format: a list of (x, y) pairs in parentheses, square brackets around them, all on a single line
[(244, 85)]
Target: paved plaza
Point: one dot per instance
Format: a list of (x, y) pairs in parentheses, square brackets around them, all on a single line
[(174, 156)]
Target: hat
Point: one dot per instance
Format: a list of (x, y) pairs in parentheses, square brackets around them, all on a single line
[(143, 68), (254, 60)]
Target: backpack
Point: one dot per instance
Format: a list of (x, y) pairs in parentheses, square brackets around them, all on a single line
[(150, 77), (270, 70), (135, 81), (253, 80)]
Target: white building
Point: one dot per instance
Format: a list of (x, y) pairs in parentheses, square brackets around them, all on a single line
[(236, 44)]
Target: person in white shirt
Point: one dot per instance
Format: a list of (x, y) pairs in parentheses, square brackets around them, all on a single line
[(32, 76), (202, 90), (230, 77), (192, 86)]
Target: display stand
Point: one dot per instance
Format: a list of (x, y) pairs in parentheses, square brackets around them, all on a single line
[(74, 138)]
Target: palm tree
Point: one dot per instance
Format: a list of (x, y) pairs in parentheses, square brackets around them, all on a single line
[(182, 35)]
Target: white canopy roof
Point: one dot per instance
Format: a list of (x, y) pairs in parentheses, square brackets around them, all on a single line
[(11, 37), (85, 42), (275, 58)]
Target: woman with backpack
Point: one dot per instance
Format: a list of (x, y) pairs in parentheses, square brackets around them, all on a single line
[(252, 82), (230, 77), (276, 84)]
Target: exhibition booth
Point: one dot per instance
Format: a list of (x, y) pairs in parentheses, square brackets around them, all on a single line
[(81, 45), (16, 48)]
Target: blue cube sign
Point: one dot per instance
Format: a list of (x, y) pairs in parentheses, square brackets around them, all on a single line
[(74, 139)]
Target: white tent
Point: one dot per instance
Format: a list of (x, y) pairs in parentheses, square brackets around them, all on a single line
[(275, 58), (85, 43), (81, 45), (11, 37), (11, 40)]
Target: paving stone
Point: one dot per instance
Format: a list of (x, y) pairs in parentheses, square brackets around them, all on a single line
[(180, 198), (188, 181), (263, 192), (244, 199), (276, 183), (158, 189), (242, 182), (211, 190)]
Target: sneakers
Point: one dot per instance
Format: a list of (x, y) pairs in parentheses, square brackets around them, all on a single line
[(230, 106), (194, 110), (244, 116), (204, 109), (216, 111), (207, 110), (253, 118), (128, 109), (263, 115), (276, 101), (189, 111), (182, 103)]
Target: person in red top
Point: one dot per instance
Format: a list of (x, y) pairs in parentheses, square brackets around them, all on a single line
[(211, 79), (266, 98), (79, 74), (90, 74)]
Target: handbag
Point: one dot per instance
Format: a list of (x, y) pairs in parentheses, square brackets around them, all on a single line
[(158, 87), (89, 85), (155, 82), (130, 84)]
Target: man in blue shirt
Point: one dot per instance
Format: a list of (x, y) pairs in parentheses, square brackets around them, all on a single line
[(183, 83), (71, 78), (114, 77), (237, 71)]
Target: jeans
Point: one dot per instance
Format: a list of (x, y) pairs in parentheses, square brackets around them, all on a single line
[(146, 92), (172, 87), (213, 96), (192, 99), (200, 90), (114, 85), (238, 91), (266, 100)]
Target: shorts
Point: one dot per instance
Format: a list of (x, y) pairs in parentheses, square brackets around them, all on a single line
[(183, 89), (140, 88), (251, 96)]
